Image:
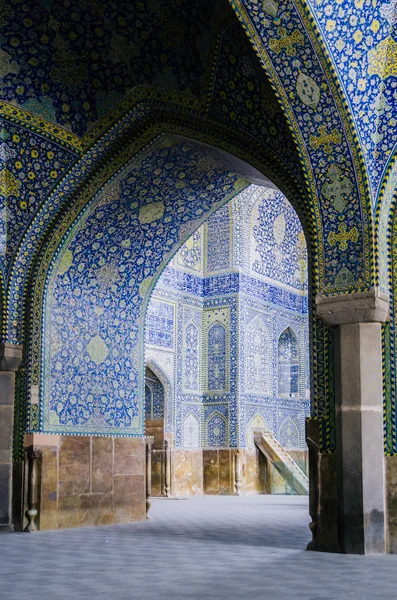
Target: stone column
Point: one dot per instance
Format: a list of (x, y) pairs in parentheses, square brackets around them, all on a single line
[(10, 361), (360, 462)]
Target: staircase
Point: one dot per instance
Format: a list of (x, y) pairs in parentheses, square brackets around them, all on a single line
[(275, 453)]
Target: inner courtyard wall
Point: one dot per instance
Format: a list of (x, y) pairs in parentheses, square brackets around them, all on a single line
[(213, 328)]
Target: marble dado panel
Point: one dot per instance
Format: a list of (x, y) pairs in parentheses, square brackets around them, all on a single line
[(88, 481), (213, 471)]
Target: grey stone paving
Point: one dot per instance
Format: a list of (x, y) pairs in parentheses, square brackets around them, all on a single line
[(199, 548)]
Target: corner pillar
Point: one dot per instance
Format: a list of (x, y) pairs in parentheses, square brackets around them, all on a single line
[(10, 361), (359, 457)]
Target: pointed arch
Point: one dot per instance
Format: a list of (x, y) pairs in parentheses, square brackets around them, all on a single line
[(216, 431), (258, 376), (288, 364), (256, 423), (216, 351), (191, 431), (168, 391), (288, 434), (148, 401), (191, 357)]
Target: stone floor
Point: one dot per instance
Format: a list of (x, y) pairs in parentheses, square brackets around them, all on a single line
[(199, 548)]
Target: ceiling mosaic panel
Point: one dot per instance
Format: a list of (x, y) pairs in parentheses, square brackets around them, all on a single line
[(100, 282), (30, 167), (73, 62), (242, 97), (362, 39)]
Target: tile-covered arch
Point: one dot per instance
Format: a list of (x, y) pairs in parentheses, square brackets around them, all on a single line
[(213, 184), (326, 138)]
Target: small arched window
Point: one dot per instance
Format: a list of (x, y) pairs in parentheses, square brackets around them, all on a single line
[(257, 369), (191, 358), (217, 357), (148, 402), (288, 364), (191, 432)]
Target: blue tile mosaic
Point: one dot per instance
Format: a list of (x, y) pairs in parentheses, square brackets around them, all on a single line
[(242, 337)]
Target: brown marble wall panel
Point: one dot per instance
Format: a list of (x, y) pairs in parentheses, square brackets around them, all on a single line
[(187, 472), (84, 510), (92, 481), (254, 473), (391, 503), (226, 471), (102, 465), (128, 456), (211, 471), (129, 499), (49, 488), (218, 471), (155, 428), (74, 465), (157, 472)]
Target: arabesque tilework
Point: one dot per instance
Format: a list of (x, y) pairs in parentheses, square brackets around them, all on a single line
[(95, 300), (148, 68)]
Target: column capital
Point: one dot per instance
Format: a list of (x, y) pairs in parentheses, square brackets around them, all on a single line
[(371, 306), (10, 356)]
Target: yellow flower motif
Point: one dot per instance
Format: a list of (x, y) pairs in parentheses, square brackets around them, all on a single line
[(358, 36), (9, 184), (18, 164), (54, 174), (330, 25), (382, 60), (250, 86), (31, 175), (362, 84), (232, 84), (232, 59), (233, 116), (16, 138), (35, 153), (375, 25), (23, 205), (50, 154)]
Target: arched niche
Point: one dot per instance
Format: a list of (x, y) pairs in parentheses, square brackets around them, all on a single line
[(288, 364)]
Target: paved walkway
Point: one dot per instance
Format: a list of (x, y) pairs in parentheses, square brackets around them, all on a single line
[(203, 548)]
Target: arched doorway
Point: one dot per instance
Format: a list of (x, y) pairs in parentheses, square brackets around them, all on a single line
[(229, 315)]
